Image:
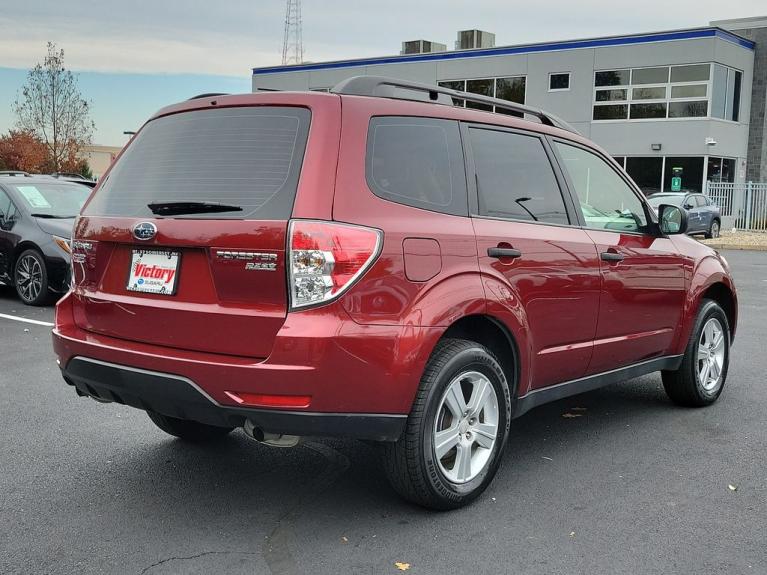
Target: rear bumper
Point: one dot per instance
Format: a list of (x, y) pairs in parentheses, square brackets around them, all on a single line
[(180, 397), (361, 379)]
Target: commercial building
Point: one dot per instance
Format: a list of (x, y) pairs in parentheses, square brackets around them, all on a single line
[(99, 158), (683, 103)]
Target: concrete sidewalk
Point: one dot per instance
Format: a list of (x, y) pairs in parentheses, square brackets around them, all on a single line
[(739, 240)]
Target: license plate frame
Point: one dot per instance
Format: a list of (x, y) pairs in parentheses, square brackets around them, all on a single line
[(151, 285)]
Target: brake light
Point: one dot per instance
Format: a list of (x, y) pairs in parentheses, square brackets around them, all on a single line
[(326, 258)]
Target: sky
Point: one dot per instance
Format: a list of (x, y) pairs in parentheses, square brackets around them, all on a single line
[(134, 57)]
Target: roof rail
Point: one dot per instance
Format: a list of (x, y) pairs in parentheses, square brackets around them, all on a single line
[(383, 87), (208, 95), (13, 173)]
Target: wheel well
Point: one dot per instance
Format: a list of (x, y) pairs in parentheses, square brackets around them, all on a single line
[(496, 337), (21, 247), (722, 295)]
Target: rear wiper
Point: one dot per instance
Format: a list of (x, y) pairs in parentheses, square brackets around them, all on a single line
[(52, 216), (180, 208)]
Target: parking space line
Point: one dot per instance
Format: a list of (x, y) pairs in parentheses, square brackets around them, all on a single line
[(34, 321)]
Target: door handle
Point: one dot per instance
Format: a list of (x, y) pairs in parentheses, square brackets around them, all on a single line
[(611, 257), (503, 253)]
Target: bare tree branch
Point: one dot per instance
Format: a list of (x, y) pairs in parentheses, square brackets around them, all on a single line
[(51, 107)]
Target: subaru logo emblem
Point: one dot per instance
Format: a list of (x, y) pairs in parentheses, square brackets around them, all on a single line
[(144, 231)]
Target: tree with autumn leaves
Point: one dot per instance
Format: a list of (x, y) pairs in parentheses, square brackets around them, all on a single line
[(52, 121)]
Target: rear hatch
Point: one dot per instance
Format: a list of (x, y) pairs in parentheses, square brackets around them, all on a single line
[(183, 244)]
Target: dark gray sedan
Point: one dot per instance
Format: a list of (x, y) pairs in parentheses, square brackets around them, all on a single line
[(703, 215)]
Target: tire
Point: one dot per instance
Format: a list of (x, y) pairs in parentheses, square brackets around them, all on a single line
[(412, 465), (713, 230), (30, 277), (187, 429), (686, 385)]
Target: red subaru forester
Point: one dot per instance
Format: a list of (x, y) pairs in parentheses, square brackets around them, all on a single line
[(380, 263)]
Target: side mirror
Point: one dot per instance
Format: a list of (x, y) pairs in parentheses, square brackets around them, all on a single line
[(673, 219)]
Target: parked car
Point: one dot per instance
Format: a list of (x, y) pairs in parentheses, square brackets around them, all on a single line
[(703, 216), (36, 219), (379, 264)]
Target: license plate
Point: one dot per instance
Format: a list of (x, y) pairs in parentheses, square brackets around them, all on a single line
[(154, 271)]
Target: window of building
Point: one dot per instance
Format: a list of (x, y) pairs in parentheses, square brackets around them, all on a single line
[(515, 178), (417, 162), (485, 87), (690, 169), (606, 200), (611, 95), (725, 98), (612, 112), (646, 172), (691, 73), (559, 81), (654, 93), (612, 78), (649, 75), (695, 109), (512, 88), (720, 169), (459, 85), (641, 111)]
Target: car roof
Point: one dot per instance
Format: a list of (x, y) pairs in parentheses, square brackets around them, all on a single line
[(409, 106), (23, 179)]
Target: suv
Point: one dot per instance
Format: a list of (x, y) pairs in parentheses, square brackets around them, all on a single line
[(377, 263), (703, 216)]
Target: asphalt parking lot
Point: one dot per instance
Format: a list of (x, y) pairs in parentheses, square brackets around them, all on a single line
[(631, 485)]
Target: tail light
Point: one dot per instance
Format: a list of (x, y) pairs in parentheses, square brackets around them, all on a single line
[(326, 258)]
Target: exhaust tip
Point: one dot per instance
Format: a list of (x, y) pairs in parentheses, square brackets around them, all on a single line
[(270, 439)]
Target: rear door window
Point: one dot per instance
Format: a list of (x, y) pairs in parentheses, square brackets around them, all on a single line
[(7, 209), (515, 178), (249, 157), (417, 162)]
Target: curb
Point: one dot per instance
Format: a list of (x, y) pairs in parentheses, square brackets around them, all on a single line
[(743, 247)]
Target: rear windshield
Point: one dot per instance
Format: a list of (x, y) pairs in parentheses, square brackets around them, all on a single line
[(247, 157)]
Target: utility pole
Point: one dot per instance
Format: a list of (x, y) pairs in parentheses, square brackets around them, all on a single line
[(293, 44)]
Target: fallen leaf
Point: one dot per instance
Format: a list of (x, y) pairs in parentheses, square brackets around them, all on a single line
[(402, 566), (346, 540), (571, 415), (732, 487)]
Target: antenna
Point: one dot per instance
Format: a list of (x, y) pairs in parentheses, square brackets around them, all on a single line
[(293, 43)]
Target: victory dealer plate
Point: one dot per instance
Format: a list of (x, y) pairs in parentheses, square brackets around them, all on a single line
[(153, 271)]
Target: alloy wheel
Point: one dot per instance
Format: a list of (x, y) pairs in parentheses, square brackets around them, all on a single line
[(710, 358), (715, 230), (466, 427), (29, 278)]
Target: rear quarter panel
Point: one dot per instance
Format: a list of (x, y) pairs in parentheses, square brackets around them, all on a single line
[(386, 295)]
